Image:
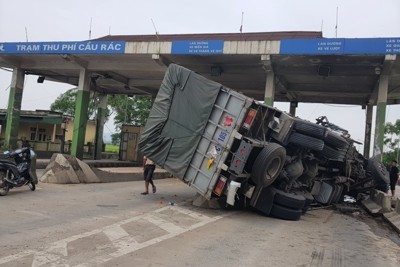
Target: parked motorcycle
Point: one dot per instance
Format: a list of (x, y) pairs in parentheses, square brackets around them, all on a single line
[(15, 170)]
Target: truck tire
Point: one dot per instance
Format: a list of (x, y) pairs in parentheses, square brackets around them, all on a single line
[(268, 164), (309, 128), (289, 200), (382, 187), (333, 154), (306, 141), (284, 213), (336, 140), (378, 170)]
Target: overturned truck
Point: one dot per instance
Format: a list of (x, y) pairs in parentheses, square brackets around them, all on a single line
[(234, 149)]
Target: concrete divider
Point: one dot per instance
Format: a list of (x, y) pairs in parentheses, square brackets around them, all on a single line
[(381, 203), (65, 169), (378, 203), (393, 217), (125, 174)]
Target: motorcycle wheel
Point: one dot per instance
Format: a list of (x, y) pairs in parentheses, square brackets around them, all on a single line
[(4, 190), (32, 185)]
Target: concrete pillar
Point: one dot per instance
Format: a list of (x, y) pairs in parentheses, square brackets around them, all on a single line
[(14, 108), (368, 127), (380, 114), (269, 89), (293, 107), (53, 134), (37, 132), (81, 114), (100, 120)]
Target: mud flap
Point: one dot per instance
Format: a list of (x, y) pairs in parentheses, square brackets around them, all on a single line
[(263, 199)]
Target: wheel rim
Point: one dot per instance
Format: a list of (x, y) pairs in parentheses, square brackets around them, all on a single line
[(273, 168)]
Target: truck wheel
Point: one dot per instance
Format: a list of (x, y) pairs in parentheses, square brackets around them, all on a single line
[(289, 200), (336, 140), (382, 187), (306, 141), (268, 164), (282, 212), (333, 154), (4, 186), (378, 170), (309, 128)]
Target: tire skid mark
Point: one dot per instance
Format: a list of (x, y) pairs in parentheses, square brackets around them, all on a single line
[(337, 257), (317, 257)]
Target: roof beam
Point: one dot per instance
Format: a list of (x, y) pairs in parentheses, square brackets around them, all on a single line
[(11, 63), (75, 59)]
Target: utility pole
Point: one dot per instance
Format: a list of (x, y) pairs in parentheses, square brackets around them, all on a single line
[(337, 15)]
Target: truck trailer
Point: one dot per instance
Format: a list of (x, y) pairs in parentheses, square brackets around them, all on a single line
[(244, 153)]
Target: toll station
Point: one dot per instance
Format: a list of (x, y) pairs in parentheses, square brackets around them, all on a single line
[(295, 67)]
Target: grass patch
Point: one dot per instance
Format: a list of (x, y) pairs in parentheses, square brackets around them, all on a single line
[(112, 148)]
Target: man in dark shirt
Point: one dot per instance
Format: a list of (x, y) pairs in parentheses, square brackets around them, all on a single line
[(394, 176)]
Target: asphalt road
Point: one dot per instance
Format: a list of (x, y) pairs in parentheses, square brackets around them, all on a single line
[(112, 224)]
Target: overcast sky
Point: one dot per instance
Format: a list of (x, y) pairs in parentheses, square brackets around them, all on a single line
[(52, 20)]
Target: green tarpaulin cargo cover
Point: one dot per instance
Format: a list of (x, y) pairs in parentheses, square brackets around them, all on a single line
[(178, 119)]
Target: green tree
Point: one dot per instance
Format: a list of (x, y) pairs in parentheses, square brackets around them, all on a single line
[(115, 138), (127, 110), (392, 141), (130, 110), (65, 103)]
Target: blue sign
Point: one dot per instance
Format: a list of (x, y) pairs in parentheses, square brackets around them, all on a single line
[(333, 46), (87, 47), (198, 47)]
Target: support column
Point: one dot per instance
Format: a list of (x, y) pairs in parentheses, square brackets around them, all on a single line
[(293, 107), (100, 120), (380, 114), (81, 114), (14, 108), (53, 134), (269, 89), (368, 127)]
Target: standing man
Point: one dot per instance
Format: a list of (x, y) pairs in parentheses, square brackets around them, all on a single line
[(394, 175), (148, 172)]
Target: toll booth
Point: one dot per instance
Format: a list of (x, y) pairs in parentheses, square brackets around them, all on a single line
[(128, 149)]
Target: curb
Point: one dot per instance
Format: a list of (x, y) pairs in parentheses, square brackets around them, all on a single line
[(393, 217), (380, 204)]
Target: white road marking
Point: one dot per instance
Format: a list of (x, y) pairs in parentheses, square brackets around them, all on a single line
[(163, 224), (34, 213), (191, 213), (16, 256), (115, 233), (56, 254)]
